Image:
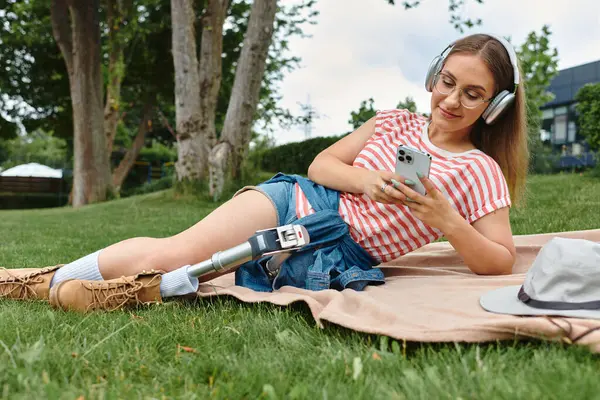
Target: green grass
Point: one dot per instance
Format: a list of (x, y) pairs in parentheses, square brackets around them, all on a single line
[(259, 350)]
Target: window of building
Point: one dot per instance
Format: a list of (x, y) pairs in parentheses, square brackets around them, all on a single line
[(548, 113), (571, 131), (560, 129), (573, 109), (560, 110)]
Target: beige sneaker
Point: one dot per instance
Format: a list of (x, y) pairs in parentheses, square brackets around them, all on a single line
[(110, 295), (26, 283)]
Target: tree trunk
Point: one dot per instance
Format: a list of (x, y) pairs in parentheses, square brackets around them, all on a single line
[(117, 12), (191, 149), (244, 96), (211, 49), (79, 42), (121, 172)]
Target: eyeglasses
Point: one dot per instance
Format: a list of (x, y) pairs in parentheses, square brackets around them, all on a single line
[(469, 98)]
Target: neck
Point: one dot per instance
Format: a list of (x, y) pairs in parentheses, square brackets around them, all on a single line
[(450, 140)]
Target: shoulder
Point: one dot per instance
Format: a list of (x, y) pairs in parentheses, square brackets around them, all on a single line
[(395, 120), (487, 163), (489, 176)]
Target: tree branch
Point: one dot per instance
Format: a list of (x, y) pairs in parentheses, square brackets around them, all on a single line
[(61, 29), (165, 122)]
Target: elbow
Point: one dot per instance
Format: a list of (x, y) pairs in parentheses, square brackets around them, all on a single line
[(313, 169), (491, 270), (503, 266)]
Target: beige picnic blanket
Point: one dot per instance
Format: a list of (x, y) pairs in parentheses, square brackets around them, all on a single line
[(430, 296)]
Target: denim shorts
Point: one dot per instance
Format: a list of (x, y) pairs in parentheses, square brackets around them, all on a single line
[(283, 197), (332, 259)]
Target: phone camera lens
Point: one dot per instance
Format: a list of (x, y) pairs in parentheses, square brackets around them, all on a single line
[(408, 158), (401, 158), (402, 152)]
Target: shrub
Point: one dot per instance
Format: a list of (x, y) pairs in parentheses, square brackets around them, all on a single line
[(293, 158)]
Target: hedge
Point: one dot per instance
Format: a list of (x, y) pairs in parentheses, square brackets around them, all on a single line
[(293, 158)]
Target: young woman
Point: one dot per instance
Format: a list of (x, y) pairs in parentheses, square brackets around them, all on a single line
[(354, 207)]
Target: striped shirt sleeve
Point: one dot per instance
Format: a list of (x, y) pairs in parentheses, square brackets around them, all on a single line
[(493, 193)]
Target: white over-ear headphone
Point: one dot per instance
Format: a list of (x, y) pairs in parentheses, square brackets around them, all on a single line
[(502, 101)]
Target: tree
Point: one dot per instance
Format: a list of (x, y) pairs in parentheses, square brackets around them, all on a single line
[(588, 107), (366, 111), (136, 57), (237, 132), (39, 147), (454, 8), (539, 65), (408, 104), (76, 28), (193, 103)]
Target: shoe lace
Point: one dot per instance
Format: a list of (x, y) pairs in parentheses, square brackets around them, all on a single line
[(113, 296), (23, 285)]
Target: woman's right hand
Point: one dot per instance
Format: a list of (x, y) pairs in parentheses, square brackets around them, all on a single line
[(381, 186)]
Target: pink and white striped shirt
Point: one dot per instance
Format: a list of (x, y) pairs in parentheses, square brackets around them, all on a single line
[(472, 182)]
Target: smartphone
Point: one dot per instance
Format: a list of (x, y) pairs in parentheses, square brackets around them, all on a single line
[(409, 161)]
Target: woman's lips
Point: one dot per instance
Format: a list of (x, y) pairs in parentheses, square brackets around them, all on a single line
[(447, 114)]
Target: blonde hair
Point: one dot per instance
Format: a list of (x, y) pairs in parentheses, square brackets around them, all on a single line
[(506, 140)]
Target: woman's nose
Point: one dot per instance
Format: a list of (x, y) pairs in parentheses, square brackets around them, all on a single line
[(453, 99)]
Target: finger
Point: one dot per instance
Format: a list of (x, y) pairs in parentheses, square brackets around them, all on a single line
[(383, 196), (399, 180), (412, 194), (414, 206), (396, 193), (429, 186), (401, 186)]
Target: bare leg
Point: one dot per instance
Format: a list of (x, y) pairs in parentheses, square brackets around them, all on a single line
[(227, 226)]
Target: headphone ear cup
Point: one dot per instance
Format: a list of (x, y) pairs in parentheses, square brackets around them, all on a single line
[(498, 106), (434, 68)]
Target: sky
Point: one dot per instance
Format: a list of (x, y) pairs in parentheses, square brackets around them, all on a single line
[(367, 48)]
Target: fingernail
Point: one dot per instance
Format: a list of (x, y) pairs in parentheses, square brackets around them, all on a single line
[(395, 183), (420, 175), (409, 182)]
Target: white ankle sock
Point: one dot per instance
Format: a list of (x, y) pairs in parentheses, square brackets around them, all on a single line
[(178, 283), (84, 268)]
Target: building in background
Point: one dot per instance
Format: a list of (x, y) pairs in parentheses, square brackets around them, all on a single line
[(559, 117)]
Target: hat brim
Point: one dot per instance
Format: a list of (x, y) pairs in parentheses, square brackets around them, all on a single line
[(505, 301)]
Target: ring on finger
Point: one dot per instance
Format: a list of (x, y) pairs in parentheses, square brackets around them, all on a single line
[(386, 184)]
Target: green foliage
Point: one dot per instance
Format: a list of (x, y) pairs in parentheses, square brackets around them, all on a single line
[(408, 104), (39, 147), (32, 71), (8, 130), (158, 152), (294, 158), (588, 107), (539, 65), (367, 111), (33, 77), (595, 171), (455, 8), (543, 160), (155, 185)]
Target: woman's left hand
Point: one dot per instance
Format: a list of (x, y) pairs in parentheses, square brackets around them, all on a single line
[(433, 209)]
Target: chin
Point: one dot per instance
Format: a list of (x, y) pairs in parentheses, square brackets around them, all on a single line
[(449, 124)]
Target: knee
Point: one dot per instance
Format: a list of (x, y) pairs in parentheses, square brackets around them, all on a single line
[(166, 255)]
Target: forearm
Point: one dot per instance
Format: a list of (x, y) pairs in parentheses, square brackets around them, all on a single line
[(482, 255), (329, 171)]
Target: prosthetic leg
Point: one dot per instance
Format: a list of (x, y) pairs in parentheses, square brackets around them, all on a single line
[(279, 242)]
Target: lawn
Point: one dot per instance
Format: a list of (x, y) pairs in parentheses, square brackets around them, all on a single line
[(222, 348)]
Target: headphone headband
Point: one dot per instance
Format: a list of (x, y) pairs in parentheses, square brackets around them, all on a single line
[(512, 55), (502, 101)]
